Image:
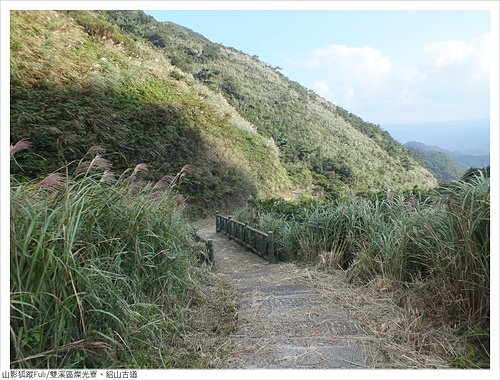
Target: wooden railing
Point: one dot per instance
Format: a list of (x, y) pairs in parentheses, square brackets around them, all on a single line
[(258, 242)]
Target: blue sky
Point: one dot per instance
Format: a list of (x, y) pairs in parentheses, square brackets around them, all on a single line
[(385, 66)]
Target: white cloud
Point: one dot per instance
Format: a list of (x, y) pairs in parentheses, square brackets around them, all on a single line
[(448, 80), (469, 61), (365, 65), (446, 53), (321, 87), (463, 79), (481, 56)]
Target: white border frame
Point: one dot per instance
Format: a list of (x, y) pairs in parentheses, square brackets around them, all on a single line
[(492, 6)]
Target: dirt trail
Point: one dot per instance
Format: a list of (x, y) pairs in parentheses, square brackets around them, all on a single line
[(295, 317)]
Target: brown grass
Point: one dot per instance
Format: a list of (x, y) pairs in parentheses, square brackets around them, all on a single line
[(403, 336), (165, 182), (95, 150), (141, 168)]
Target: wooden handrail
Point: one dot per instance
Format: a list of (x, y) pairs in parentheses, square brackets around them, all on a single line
[(259, 242)]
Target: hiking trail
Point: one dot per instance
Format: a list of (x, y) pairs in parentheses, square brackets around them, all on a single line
[(295, 317)]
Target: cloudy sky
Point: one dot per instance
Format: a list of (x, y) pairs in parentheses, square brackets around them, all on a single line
[(385, 66)]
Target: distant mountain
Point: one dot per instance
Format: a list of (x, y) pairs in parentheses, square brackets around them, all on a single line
[(446, 165), (471, 160), (467, 137), (438, 161), (416, 145)]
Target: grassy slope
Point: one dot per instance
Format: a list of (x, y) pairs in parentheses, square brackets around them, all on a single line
[(77, 81), (105, 276), (318, 141)]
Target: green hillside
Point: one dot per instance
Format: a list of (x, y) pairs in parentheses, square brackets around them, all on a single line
[(77, 81), (83, 78), (319, 142), (438, 161)]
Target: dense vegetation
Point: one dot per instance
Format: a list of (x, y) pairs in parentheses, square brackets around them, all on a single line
[(77, 81), (438, 161), (103, 275), (161, 94), (436, 245), (326, 150)]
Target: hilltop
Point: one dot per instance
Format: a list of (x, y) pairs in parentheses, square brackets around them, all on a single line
[(160, 94)]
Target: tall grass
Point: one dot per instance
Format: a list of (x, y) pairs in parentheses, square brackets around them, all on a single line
[(438, 246), (454, 244), (77, 80), (103, 275)]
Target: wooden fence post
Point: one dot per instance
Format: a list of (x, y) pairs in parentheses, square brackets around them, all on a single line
[(254, 240), (210, 247), (270, 247), (245, 235)]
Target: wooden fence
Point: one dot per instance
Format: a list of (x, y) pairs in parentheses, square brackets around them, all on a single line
[(258, 242)]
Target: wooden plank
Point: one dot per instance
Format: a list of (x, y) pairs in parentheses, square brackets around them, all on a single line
[(257, 231), (270, 247), (245, 236)]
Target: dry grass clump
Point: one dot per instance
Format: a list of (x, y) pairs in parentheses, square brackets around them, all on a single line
[(403, 337), (51, 182), (19, 146), (390, 334)]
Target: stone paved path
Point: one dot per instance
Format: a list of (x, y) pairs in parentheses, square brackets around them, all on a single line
[(284, 320)]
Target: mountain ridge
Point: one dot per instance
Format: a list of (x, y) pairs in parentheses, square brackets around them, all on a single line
[(437, 160), (464, 159), (255, 89), (170, 97)]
